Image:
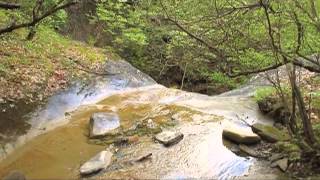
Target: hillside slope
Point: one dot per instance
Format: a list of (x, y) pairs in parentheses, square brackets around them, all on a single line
[(33, 70)]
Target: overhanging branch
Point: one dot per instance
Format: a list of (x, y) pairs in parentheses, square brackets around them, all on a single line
[(298, 62), (38, 19), (4, 5)]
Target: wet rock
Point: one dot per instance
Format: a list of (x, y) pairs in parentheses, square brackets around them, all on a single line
[(276, 157), (270, 133), (235, 149), (102, 124), (248, 150), (240, 136), (275, 109), (280, 114), (15, 175), (97, 163), (143, 128), (265, 106), (169, 138), (144, 157), (282, 164)]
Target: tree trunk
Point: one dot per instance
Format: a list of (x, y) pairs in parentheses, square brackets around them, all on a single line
[(293, 123), (307, 126)]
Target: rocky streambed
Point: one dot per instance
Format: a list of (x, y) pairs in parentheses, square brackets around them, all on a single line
[(131, 127)]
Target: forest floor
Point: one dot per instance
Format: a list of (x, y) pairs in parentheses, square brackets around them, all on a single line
[(33, 70)]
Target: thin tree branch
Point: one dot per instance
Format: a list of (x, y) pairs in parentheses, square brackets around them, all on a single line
[(4, 5), (36, 20), (213, 49)]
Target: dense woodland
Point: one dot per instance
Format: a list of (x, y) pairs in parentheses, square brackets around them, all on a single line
[(206, 46)]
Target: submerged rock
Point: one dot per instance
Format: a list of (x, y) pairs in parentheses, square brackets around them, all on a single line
[(97, 163), (169, 137), (270, 133), (15, 175), (276, 157), (253, 151), (102, 124), (248, 150), (240, 135)]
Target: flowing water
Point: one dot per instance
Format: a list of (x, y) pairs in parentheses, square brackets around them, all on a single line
[(56, 144)]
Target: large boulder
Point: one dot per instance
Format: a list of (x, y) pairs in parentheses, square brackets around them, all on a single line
[(102, 124), (169, 138), (97, 163), (270, 133), (240, 135)]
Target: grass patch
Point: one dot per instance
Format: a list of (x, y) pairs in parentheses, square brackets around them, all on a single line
[(263, 93)]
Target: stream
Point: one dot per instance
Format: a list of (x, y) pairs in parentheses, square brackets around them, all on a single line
[(56, 144)]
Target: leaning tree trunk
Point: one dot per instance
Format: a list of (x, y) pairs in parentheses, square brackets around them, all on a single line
[(307, 127), (292, 121)]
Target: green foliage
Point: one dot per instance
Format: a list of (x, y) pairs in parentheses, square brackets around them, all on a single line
[(316, 128), (25, 14), (286, 147), (58, 19), (123, 21), (222, 79), (315, 102), (263, 93)]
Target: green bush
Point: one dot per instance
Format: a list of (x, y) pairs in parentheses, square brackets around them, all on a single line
[(262, 93)]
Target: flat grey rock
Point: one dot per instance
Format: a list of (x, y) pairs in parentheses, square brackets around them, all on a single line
[(169, 137), (97, 163), (240, 135), (102, 124), (248, 150)]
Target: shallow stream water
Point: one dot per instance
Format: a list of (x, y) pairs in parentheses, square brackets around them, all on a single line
[(57, 144)]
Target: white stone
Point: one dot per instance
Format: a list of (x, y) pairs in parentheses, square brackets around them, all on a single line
[(97, 163)]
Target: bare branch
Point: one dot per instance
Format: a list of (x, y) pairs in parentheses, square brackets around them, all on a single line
[(213, 49), (245, 73), (4, 5)]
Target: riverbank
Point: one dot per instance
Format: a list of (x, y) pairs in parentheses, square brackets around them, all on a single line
[(31, 71), (303, 157)]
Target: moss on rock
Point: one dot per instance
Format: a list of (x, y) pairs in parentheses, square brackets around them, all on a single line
[(270, 133)]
